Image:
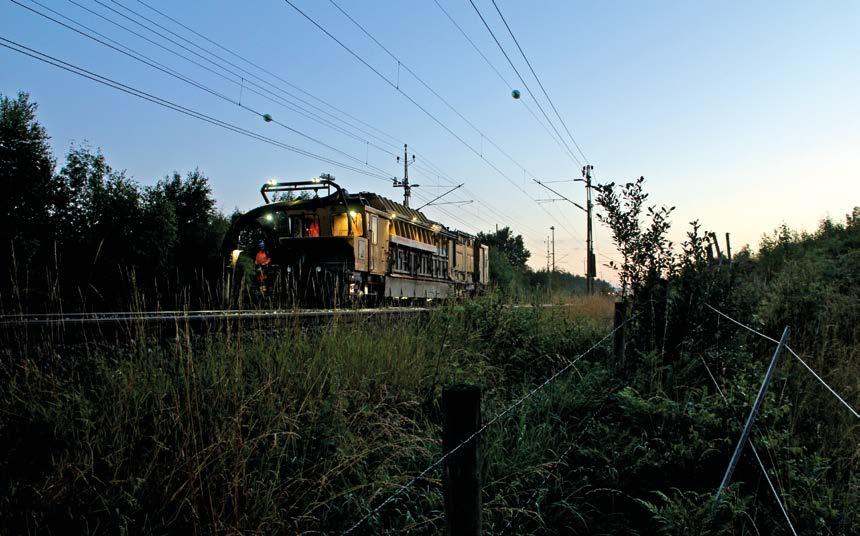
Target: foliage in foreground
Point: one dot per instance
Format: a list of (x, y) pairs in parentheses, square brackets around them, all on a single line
[(302, 430)]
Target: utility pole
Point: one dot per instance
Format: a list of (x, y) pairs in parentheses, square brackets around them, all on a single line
[(591, 264), (553, 247), (407, 188), (590, 261), (547, 254)]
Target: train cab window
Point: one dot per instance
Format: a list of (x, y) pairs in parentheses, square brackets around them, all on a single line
[(303, 226)]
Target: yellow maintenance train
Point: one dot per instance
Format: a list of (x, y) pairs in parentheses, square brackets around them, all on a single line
[(315, 243)]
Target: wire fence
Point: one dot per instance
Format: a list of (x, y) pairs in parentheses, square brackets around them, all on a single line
[(755, 453), (517, 403), (796, 356)]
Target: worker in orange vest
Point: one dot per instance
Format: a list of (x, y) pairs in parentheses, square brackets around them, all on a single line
[(262, 260)]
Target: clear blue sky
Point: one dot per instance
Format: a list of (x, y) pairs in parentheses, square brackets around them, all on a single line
[(742, 114)]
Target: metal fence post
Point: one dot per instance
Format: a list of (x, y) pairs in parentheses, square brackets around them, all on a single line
[(753, 413), (461, 472)]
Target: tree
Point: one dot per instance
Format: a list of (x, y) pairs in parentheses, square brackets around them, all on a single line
[(512, 246), (199, 226), (26, 170)]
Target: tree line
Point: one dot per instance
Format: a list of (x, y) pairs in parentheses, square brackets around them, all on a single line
[(510, 272), (79, 234), (83, 234)]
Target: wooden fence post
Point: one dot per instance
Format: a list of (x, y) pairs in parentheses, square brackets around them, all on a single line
[(728, 248), (461, 472), (619, 341)]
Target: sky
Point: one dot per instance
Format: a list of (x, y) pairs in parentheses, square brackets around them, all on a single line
[(743, 115)]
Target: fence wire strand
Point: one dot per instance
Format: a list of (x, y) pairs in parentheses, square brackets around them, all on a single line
[(802, 362), (755, 452), (489, 423)]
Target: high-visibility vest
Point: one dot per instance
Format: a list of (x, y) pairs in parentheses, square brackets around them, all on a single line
[(262, 259)]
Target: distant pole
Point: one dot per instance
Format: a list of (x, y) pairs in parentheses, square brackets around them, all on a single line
[(547, 254), (553, 247), (752, 416), (590, 262), (461, 472), (407, 188)]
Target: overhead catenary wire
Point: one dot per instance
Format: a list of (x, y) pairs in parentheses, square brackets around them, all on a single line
[(238, 75), (51, 60), (246, 72), (517, 403), (392, 138), (172, 72), (427, 86), (119, 47), (802, 362), (420, 107), (522, 80), (543, 89), (502, 78)]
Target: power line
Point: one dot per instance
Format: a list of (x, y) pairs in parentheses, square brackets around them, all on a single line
[(501, 77), (427, 160), (249, 73), (243, 80), (276, 99), (499, 11), (270, 73), (152, 63), (427, 86), (45, 58), (418, 105), (522, 80), (315, 117)]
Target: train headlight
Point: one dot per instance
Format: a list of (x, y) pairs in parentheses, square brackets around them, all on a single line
[(234, 257), (289, 269), (319, 269)]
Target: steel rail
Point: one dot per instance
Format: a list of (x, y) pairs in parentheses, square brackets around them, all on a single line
[(213, 315)]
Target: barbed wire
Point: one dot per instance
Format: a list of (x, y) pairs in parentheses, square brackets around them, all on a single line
[(802, 362), (489, 423)]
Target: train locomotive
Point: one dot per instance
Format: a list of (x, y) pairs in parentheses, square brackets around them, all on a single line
[(314, 243)]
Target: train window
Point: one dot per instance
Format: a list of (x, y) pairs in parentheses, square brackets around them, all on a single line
[(374, 228), (303, 226)]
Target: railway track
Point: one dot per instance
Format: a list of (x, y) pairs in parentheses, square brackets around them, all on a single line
[(148, 317)]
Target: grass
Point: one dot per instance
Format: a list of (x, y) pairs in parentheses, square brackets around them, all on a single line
[(305, 429), (287, 429)]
